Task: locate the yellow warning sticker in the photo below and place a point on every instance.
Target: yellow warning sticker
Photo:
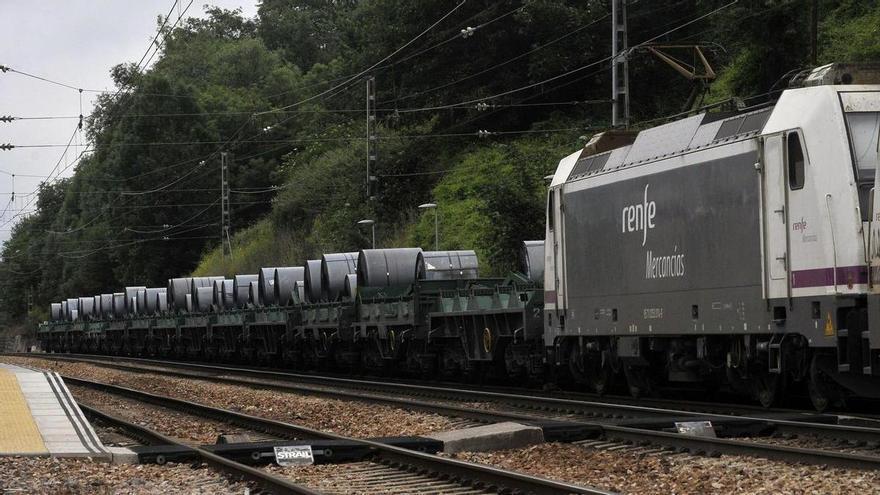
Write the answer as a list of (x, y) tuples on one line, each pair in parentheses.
[(829, 325)]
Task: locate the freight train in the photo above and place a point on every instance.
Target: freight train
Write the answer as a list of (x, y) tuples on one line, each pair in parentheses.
[(734, 248)]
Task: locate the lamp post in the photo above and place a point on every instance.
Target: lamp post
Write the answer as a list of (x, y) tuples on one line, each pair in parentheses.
[(433, 206), (372, 224)]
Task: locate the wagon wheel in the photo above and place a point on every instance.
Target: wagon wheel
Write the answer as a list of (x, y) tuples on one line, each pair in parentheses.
[(823, 390)]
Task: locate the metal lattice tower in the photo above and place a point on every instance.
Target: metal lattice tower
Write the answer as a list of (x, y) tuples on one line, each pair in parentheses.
[(225, 241), (370, 186), (619, 65)]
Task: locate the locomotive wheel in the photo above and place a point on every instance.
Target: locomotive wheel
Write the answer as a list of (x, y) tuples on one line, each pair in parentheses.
[(766, 387), (823, 390), (589, 368), (638, 379)]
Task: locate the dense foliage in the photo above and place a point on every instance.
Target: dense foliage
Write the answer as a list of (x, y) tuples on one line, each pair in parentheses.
[(283, 95)]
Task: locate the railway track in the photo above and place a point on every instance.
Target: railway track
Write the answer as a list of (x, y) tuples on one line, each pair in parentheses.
[(634, 425), (393, 469)]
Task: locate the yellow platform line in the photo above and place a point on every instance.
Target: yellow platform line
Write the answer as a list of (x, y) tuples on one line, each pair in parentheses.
[(19, 433)]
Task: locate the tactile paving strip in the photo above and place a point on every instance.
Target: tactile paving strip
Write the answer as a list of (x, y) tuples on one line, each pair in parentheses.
[(18, 431)]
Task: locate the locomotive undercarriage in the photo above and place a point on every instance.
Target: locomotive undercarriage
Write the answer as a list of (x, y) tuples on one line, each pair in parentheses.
[(765, 367)]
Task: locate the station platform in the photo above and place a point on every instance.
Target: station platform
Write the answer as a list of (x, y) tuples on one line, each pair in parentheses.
[(39, 417)]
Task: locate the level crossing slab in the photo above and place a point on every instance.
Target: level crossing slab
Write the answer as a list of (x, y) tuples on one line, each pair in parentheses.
[(39, 417)]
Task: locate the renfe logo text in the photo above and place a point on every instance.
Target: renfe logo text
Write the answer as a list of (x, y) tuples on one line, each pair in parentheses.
[(639, 217)]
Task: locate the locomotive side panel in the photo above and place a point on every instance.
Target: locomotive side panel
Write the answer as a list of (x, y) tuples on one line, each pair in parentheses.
[(674, 249)]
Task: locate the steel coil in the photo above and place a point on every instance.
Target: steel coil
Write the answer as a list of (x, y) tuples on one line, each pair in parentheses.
[(334, 268), (299, 292), (106, 305), (131, 298), (531, 260), (140, 302), (285, 283), (177, 290), (451, 265), (188, 303), (96, 307), (65, 310), (118, 304), (204, 299), (254, 294), (241, 289), (162, 302), (55, 311), (86, 307), (72, 305), (312, 281), (351, 284), (267, 286), (390, 267), (223, 294), (151, 299)]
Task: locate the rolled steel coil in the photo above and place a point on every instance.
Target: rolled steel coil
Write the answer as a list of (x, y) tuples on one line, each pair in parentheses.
[(177, 290), (96, 307), (312, 281), (74, 315), (299, 292), (390, 267), (254, 294), (151, 299), (140, 302), (223, 294), (267, 286), (241, 289), (55, 311), (204, 299), (106, 306), (351, 285), (285, 283), (65, 310), (451, 265), (118, 304), (188, 304), (531, 259), (162, 302), (334, 268), (131, 299), (72, 305), (197, 282)]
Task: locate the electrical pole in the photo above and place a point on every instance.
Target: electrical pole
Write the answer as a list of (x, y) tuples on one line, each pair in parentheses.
[(371, 138), (225, 242), (619, 65)]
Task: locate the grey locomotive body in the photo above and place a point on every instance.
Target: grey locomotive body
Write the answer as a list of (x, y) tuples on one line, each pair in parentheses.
[(721, 249)]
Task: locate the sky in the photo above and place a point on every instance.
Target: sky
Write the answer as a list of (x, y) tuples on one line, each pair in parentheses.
[(75, 42)]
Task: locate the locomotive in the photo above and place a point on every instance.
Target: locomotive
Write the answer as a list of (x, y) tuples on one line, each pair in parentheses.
[(737, 247)]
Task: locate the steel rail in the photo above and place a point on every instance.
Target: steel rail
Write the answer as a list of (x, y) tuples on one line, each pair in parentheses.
[(475, 474), (274, 484), (588, 409)]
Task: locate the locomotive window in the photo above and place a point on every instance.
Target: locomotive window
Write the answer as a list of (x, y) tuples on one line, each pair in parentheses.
[(550, 209), (795, 161)]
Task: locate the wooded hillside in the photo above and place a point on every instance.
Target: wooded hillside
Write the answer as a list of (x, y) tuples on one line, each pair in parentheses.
[(284, 95)]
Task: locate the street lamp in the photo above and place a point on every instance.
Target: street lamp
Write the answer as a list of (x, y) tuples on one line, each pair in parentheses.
[(372, 224), (429, 206)]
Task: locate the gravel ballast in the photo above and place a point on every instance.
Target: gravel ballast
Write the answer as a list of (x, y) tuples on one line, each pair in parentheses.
[(632, 473), (180, 426), (83, 476), (349, 418)]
